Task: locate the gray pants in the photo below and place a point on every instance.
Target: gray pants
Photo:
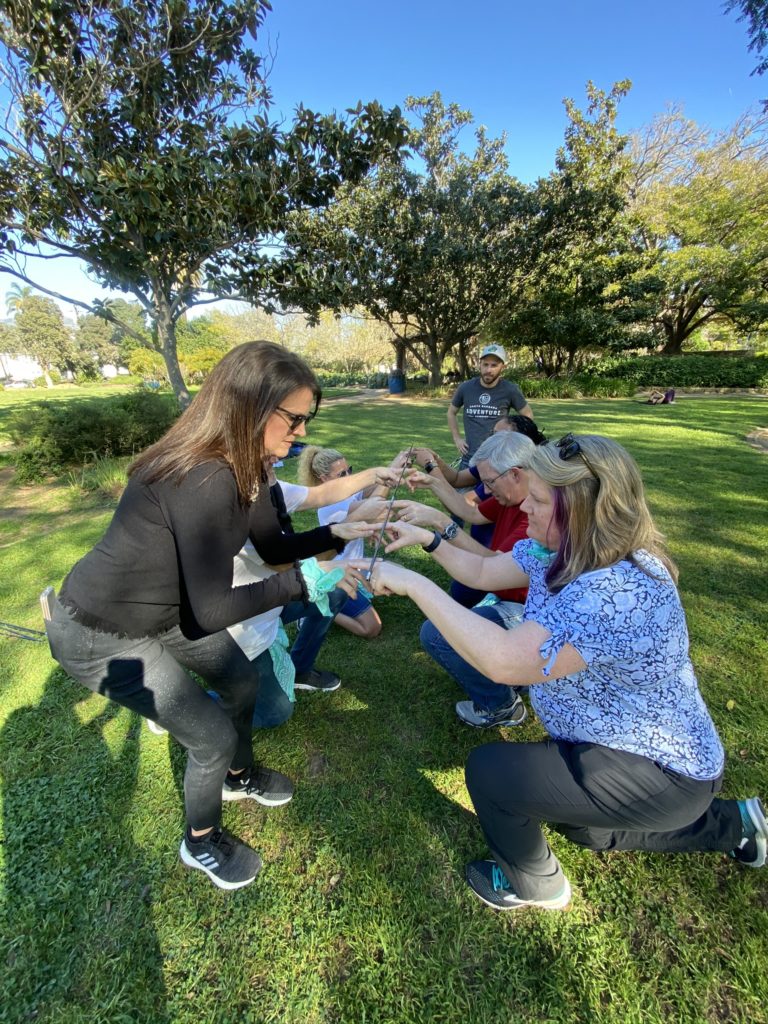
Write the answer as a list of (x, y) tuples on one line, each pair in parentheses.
[(150, 676), (599, 798)]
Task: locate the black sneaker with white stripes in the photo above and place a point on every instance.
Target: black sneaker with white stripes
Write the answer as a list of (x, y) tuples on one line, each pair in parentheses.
[(317, 680), (228, 862), (264, 785)]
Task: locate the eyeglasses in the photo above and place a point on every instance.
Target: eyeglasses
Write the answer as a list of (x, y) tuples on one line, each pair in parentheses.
[(569, 447), (489, 483), (295, 419), (345, 472)]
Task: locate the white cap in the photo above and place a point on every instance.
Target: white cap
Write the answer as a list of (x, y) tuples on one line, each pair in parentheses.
[(494, 350)]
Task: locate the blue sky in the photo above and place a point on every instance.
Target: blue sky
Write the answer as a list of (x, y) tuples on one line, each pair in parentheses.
[(510, 63)]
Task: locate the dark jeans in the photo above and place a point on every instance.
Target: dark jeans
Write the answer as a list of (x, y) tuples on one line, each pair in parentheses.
[(150, 676), (482, 690), (599, 798), (314, 628), (273, 706)]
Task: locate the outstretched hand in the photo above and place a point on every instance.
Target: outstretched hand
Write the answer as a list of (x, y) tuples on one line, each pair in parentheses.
[(388, 578), (404, 535)]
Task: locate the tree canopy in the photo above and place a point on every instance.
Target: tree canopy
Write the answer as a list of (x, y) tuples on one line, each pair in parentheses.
[(425, 247), (137, 138)]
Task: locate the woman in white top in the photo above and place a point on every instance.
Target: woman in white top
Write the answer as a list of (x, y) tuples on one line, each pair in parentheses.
[(318, 466)]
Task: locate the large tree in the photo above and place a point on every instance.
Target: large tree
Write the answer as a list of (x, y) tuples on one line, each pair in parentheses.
[(700, 210), (427, 248), (577, 292), (137, 138)]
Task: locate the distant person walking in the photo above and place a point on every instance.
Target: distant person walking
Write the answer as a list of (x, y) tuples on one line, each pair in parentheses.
[(484, 399)]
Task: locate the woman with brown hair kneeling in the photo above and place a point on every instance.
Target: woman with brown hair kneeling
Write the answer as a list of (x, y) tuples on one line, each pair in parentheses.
[(633, 760)]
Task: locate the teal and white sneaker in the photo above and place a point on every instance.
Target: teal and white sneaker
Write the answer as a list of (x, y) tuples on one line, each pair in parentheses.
[(489, 883), (752, 851)]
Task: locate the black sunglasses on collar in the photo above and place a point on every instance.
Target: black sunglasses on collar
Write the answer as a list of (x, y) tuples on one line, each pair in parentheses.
[(569, 447)]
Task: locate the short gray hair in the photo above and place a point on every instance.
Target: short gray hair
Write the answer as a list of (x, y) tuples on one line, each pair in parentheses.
[(504, 451)]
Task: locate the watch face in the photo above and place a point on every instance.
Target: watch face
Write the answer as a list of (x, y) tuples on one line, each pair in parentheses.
[(450, 531)]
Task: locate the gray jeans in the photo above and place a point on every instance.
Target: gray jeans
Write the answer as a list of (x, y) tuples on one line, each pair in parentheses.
[(150, 675)]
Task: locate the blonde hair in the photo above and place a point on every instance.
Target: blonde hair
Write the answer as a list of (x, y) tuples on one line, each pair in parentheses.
[(599, 508), (315, 463)]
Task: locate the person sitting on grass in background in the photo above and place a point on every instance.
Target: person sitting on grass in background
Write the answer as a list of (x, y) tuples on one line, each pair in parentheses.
[(150, 604), (657, 398), (501, 460), (318, 466), (633, 760)]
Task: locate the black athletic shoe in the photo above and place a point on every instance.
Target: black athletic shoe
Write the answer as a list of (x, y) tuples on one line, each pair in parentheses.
[(489, 883), (268, 787), (228, 862), (314, 680)]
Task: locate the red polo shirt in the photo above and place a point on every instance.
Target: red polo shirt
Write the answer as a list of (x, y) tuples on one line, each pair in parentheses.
[(511, 525)]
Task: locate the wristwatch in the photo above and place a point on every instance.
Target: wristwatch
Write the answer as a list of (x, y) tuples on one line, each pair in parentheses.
[(450, 531), (429, 465), (429, 548)]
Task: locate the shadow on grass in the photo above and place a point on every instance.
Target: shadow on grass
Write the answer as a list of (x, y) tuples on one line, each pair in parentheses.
[(79, 932)]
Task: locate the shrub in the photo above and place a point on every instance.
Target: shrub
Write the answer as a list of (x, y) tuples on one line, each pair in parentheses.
[(578, 386), (696, 371), (51, 435)]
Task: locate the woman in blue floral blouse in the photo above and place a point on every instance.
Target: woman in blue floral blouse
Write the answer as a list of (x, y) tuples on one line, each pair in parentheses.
[(633, 760)]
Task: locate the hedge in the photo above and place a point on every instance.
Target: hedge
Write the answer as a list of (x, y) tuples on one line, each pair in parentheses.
[(702, 371), (50, 436)]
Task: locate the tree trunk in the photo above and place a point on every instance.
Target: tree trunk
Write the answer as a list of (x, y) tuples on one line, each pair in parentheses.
[(464, 368), (435, 364), (400, 355), (166, 332)]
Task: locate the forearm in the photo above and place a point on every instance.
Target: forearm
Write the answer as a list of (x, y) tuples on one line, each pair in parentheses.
[(457, 503), (472, 637), (453, 424), (477, 570), (331, 491)]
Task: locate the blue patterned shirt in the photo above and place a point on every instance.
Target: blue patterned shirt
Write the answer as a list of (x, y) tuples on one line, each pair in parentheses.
[(638, 692)]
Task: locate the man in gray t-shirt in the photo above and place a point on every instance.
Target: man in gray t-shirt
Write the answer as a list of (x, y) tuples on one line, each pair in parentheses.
[(485, 400)]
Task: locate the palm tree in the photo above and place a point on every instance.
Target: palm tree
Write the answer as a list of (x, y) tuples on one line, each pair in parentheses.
[(15, 296)]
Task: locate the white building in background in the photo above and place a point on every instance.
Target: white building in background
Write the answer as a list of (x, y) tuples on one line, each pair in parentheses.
[(19, 367)]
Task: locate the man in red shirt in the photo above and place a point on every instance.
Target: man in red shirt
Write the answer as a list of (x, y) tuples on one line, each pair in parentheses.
[(500, 462)]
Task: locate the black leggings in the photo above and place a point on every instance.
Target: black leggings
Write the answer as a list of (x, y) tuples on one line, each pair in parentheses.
[(148, 676), (599, 798)]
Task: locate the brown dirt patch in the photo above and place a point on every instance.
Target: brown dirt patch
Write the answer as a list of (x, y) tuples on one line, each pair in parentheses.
[(758, 439)]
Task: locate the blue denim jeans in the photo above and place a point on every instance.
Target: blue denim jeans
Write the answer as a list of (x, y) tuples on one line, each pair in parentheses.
[(481, 689), (272, 704)]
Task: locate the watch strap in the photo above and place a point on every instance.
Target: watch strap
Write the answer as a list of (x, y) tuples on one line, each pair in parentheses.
[(429, 548)]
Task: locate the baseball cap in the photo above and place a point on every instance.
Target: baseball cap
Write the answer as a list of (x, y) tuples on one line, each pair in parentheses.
[(494, 350)]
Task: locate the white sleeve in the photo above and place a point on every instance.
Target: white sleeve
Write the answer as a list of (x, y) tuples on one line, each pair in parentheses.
[(294, 495)]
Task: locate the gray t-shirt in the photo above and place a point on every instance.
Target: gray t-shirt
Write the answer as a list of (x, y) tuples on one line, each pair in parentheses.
[(483, 406)]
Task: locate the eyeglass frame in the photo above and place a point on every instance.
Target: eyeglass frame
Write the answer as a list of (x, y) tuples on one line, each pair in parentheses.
[(296, 419), (488, 484), (345, 472), (568, 446)]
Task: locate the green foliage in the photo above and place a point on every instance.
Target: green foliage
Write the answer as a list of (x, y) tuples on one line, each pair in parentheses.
[(49, 436), (137, 137), (710, 371), (428, 252), (577, 386), (700, 211)]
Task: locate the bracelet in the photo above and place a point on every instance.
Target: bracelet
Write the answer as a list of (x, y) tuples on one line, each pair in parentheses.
[(429, 466), (429, 548)]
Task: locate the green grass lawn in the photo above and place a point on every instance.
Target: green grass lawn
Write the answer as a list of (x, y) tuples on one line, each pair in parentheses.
[(361, 914)]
